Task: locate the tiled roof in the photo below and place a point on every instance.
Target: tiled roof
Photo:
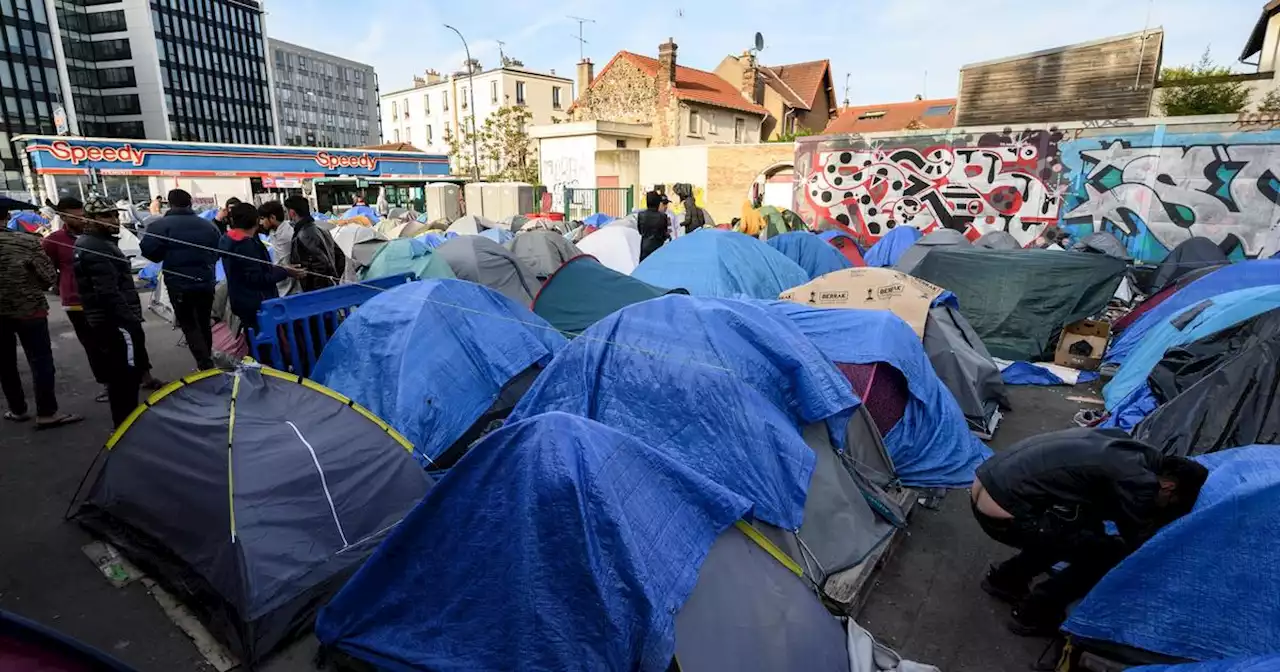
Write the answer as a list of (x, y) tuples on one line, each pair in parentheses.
[(696, 85), (893, 116), (804, 80), (393, 147)]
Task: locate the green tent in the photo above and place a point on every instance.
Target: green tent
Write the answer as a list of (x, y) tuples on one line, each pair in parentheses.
[(583, 291), (407, 255), (780, 220), (1017, 300)]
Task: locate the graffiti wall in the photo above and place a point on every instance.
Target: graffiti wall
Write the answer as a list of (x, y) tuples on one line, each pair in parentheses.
[(1152, 187)]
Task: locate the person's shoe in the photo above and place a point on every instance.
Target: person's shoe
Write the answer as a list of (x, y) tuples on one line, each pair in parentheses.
[(1032, 620), (1004, 591)]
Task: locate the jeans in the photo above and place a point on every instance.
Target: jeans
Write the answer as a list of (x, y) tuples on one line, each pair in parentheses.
[(193, 309), (120, 362), (34, 336), (84, 334)]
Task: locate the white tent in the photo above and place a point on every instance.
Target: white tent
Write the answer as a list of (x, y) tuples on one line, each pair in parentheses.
[(472, 225), (617, 247)]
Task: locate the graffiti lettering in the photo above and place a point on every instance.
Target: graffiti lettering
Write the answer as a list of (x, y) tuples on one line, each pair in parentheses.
[(1107, 123), (560, 174)]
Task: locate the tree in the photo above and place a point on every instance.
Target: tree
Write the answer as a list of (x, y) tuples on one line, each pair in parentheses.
[(506, 152), (1202, 88), (798, 132), (1270, 104)]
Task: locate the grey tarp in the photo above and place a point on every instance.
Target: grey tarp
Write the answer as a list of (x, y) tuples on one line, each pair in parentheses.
[(543, 251), (484, 262), (963, 364), (1018, 300), (1102, 242), (252, 536), (471, 225), (938, 240), (998, 240), (1189, 255)]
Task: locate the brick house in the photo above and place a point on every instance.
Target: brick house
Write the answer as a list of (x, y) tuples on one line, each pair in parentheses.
[(799, 96), (682, 105)]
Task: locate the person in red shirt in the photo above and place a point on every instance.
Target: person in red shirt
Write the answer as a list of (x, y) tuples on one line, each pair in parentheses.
[(60, 246)]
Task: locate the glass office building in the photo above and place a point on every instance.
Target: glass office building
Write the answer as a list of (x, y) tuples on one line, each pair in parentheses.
[(324, 100), (30, 88)]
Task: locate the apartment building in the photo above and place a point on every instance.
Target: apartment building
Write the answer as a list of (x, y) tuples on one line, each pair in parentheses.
[(324, 100)]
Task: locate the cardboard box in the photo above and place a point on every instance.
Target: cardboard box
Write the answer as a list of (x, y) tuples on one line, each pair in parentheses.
[(870, 289), (1096, 333)]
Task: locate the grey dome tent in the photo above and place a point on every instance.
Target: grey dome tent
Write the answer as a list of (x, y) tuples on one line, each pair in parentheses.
[(940, 239), (1102, 242), (543, 251), (471, 225), (998, 240), (1191, 254), (484, 262), (252, 495)]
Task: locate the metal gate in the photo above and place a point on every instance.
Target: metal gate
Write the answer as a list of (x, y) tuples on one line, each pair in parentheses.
[(613, 201)]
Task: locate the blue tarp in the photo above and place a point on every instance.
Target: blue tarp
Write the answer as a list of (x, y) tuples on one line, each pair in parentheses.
[(932, 445), (1204, 588), (730, 265), (1230, 278), (362, 211), (499, 236), (556, 543), (598, 219), (828, 236), (1215, 315), (25, 220), (1028, 373), (886, 251), (721, 386), (1250, 664), (433, 239), (430, 357), (816, 256), (1131, 410), (209, 215)]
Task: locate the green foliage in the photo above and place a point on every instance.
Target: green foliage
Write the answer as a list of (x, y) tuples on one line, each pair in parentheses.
[(791, 136), (1182, 96), (1270, 103), (506, 152)]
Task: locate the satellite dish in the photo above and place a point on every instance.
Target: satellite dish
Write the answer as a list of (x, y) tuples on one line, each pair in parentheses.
[(759, 41)]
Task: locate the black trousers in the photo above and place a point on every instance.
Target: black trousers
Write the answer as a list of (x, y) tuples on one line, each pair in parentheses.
[(193, 309), (117, 347), (1045, 540), (34, 336), (84, 334)]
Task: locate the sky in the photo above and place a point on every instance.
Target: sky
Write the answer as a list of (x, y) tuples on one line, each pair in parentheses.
[(890, 50)]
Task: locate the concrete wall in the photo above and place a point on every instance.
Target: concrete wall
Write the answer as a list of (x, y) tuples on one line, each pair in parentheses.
[(1152, 182), (567, 162)]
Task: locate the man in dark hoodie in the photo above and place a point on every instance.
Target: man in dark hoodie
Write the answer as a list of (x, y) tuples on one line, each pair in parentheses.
[(187, 244), (313, 250), (251, 277), (653, 224)]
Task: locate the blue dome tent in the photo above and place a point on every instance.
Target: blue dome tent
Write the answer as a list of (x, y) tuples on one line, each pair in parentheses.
[(816, 256), (724, 264), (887, 250)]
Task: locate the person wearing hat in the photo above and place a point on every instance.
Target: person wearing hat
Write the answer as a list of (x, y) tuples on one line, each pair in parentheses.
[(111, 304), (25, 274), (653, 225)]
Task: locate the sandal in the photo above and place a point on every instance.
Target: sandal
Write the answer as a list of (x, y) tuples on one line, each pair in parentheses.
[(61, 420), (14, 417)]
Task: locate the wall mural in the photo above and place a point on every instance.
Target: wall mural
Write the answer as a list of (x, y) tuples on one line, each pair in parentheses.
[(1150, 188)]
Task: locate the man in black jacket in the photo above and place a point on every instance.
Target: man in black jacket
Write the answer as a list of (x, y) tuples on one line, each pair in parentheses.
[(653, 224), (1051, 496), (313, 249), (111, 305), (187, 244), (251, 277)]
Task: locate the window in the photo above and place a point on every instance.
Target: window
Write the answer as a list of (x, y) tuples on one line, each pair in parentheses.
[(873, 114), (406, 108), (695, 123), (709, 123), (395, 133), (444, 101), (739, 130), (112, 50), (116, 77), (426, 103), (107, 22), (428, 138), (519, 93), (462, 99), (394, 110), (122, 104), (621, 144), (938, 110), (555, 97), (493, 91), (408, 135)]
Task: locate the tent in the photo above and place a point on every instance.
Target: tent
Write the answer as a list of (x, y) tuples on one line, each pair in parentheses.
[(780, 220), (28, 222), (499, 236), (847, 244), (889, 249), (1203, 587), (543, 251), (940, 239), (484, 262), (998, 240), (27, 646), (348, 236), (810, 252), (406, 255), (251, 495), (362, 211), (1156, 299), (1224, 279), (630, 221), (733, 390), (1102, 242), (441, 225), (1244, 664), (583, 291), (1220, 392), (472, 225), (513, 223), (630, 558), (439, 360), (958, 355), (709, 262), (617, 247), (931, 445), (1195, 252), (1017, 300), (362, 238), (598, 220)]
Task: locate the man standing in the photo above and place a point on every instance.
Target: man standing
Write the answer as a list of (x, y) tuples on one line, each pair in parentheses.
[(313, 250), (1051, 496), (280, 237), (111, 305), (251, 278), (60, 246), (187, 245), (223, 219), (653, 224)]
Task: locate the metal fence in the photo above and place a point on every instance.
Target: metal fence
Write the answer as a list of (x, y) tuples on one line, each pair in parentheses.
[(615, 201)]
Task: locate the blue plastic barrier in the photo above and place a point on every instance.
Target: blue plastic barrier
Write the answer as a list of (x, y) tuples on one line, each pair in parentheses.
[(306, 321)]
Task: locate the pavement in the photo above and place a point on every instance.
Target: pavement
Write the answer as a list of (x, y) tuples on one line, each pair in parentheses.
[(926, 602)]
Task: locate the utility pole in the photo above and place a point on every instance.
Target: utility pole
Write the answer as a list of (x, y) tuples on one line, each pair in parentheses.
[(846, 89), (582, 43), (471, 89)]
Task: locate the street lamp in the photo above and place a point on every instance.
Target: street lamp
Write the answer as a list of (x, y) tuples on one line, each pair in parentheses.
[(471, 86)]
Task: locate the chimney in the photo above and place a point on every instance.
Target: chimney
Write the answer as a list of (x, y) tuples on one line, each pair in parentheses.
[(750, 77), (667, 62), (433, 77), (586, 73), (419, 82)]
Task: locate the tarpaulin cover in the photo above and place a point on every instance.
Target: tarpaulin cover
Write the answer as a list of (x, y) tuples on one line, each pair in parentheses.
[(939, 239), (1203, 319), (887, 250), (1220, 392), (931, 446), (846, 244), (26, 221), (556, 543), (430, 357), (812, 253), (1226, 279), (726, 264), (722, 386), (433, 239), (1190, 254), (584, 291), (362, 211), (1017, 299), (1249, 664), (406, 255), (1204, 587), (1102, 242), (1027, 373), (598, 219)]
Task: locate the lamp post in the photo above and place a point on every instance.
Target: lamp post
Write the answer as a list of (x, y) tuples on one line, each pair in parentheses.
[(471, 86)]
